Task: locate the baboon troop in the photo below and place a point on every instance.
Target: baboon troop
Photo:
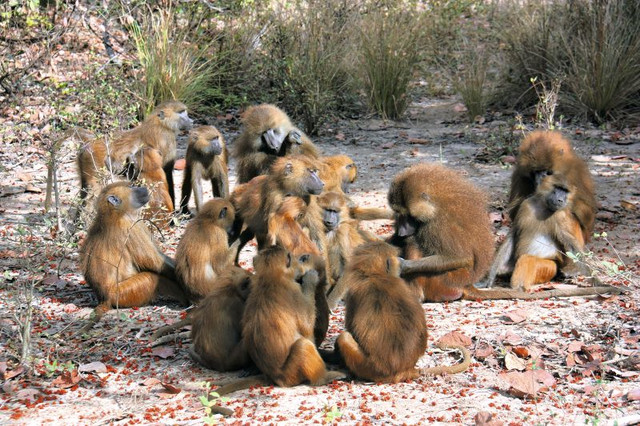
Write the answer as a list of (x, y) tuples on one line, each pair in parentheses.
[(311, 250)]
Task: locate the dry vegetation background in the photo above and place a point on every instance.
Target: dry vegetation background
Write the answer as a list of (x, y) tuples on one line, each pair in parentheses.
[(388, 83)]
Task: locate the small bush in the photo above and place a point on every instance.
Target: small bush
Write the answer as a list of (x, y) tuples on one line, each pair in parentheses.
[(391, 42), (591, 46), (304, 53), (470, 80), (175, 60)]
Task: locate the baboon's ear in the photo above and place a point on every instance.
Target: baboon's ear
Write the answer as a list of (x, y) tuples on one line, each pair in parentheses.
[(161, 115), (288, 169), (113, 200), (223, 213)]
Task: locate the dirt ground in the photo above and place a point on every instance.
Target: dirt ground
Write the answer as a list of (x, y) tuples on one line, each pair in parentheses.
[(558, 361), (588, 347)]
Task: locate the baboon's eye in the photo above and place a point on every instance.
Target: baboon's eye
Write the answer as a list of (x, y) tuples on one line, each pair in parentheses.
[(113, 200), (304, 258)]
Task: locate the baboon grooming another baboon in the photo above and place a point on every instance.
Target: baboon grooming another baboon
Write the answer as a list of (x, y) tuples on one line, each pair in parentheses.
[(206, 158), (386, 331), (158, 130), (268, 134)]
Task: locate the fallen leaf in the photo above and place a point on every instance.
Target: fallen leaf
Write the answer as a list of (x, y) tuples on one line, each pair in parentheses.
[(33, 189), (67, 379), (459, 107), (171, 389), (510, 338), (575, 346), (388, 145), (25, 177), (483, 350), (340, 136), (508, 159), (484, 418), (512, 362), (634, 395), (517, 316), (163, 352), (151, 381), (3, 367), (29, 394), (180, 164), (628, 205), (528, 383), (521, 351), (93, 367), (13, 373), (454, 338)]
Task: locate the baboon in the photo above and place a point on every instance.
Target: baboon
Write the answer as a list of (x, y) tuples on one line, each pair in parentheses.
[(147, 167), (268, 134), (278, 321), (338, 172), (216, 329), (119, 258), (206, 158), (442, 216), (386, 331), (204, 252), (157, 131), (258, 201), (544, 153), (343, 236)]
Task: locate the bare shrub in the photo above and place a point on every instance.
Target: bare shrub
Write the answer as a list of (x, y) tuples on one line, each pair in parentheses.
[(471, 80)]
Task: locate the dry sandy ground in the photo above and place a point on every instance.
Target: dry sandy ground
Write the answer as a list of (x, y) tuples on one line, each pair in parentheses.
[(589, 346)]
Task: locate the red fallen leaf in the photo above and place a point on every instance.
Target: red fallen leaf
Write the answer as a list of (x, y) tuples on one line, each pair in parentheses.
[(9, 386), (483, 350), (634, 395), (163, 352), (3, 367), (33, 189), (593, 352), (67, 379), (13, 373), (510, 338), (151, 381), (508, 159), (521, 351), (180, 164), (93, 367), (528, 383), (484, 418), (575, 346), (459, 107), (171, 389), (340, 136), (570, 360), (517, 315), (455, 338)]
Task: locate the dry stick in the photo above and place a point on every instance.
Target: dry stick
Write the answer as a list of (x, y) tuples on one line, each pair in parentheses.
[(171, 338)]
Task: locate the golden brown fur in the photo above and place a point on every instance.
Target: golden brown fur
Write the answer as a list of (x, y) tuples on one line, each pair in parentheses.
[(206, 158), (203, 252), (545, 153), (119, 258), (157, 131), (279, 318), (386, 331), (343, 236), (216, 323), (268, 134), (450, 218)]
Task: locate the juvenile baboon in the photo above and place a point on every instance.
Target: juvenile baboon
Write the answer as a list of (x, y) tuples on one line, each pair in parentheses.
[(158, 131), (268, 134), (146, 167), (279, 318), (258, 201), (343, 236), (443, 217), (119, 258), (203, 252), (386, 331), (206, 158), (216, 328)]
